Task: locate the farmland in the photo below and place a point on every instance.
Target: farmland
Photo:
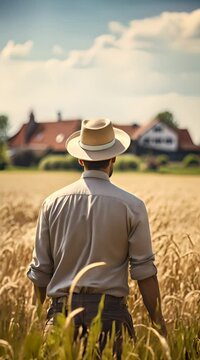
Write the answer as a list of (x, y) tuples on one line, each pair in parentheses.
[(174, 214)]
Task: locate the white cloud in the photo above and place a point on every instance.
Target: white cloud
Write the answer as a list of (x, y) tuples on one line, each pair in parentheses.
[(180, 31), (129, 75), (171, 41), (116, 27), (16, 50), (57, 50), (84, 58)]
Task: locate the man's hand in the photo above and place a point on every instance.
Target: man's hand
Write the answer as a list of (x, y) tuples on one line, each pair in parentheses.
[(149, 289)]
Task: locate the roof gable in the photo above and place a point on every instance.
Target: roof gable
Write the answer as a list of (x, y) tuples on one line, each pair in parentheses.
[(144, 128), (148, 126)]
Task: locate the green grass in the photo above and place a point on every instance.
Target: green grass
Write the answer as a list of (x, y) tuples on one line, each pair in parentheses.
[(12, 168), (178, 170), (173, 169)]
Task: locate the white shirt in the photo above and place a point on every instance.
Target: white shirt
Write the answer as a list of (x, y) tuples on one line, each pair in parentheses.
[(89, 221)]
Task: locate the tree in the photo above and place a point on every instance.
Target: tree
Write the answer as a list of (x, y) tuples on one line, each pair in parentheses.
[(3, 127), (3, 141), (167, 118)]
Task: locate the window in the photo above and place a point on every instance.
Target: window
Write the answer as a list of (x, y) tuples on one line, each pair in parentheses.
[(157, 140), (60, 138), (146, 140), (158, 128), (169, 140)]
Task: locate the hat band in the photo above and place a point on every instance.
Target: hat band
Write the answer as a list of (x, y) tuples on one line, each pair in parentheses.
[(97, 147)]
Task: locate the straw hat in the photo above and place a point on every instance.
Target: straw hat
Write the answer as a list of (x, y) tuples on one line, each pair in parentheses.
[(97, 140)]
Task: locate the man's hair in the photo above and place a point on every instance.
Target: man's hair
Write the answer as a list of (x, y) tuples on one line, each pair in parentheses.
[(96, 165)]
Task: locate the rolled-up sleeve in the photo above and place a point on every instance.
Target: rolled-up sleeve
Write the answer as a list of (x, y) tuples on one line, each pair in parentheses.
[(41, 267), (141, 256)]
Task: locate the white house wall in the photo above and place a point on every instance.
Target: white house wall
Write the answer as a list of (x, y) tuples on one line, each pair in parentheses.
[(159, 137)]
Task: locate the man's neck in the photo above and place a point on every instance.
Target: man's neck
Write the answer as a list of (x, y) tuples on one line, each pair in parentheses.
[(104, 170)]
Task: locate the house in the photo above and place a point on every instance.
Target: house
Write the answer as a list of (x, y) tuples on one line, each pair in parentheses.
[(49, 137), (156, 137), (43, 137)]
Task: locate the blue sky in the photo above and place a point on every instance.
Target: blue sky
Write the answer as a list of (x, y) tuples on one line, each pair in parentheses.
[(74, 23), (122, 59)]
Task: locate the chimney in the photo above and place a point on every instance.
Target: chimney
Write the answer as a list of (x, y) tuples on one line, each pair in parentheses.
[(59, 116), (135, 126), (31, 127)]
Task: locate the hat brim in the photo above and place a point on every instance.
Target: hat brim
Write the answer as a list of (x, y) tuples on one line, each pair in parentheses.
[(122, 142)]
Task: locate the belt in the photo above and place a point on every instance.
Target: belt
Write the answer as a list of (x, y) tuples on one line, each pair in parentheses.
[(90, 297), (86, 301)]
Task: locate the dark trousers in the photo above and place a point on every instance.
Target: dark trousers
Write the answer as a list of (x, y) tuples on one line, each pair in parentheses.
[(115, 310)]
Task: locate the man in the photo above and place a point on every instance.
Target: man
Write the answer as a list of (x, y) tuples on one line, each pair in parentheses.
[(89, 221)]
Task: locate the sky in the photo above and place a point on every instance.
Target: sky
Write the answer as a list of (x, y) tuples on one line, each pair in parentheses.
[(123, 59)]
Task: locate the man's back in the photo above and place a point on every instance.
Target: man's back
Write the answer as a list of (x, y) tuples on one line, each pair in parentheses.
[(88, 221)]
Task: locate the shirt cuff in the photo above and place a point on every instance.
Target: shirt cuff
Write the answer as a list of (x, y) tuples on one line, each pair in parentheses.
[(38, 277), (142, 269)]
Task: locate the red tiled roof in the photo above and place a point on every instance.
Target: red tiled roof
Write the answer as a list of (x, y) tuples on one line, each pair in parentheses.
[(129, 129), (185, 140), (48, 135), (45, 134), (19, 138)]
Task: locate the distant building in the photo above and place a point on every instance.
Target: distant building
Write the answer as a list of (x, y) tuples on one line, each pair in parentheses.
[(153, 138), (43, 137), (156, 138)]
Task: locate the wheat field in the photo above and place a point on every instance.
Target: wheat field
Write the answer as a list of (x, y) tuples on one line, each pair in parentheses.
[(173, 204)]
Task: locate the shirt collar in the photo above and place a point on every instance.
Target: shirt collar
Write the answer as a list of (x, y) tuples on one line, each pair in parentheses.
[(95, 174)]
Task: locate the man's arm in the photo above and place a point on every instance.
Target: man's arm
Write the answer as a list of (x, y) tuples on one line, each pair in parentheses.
[(149, 289), (143, 269), (41, 267)]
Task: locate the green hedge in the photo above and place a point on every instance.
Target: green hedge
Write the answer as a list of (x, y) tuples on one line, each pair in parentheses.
[(162, 160), (59, 162), (62, 162), (127, 162), (191, 160)]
